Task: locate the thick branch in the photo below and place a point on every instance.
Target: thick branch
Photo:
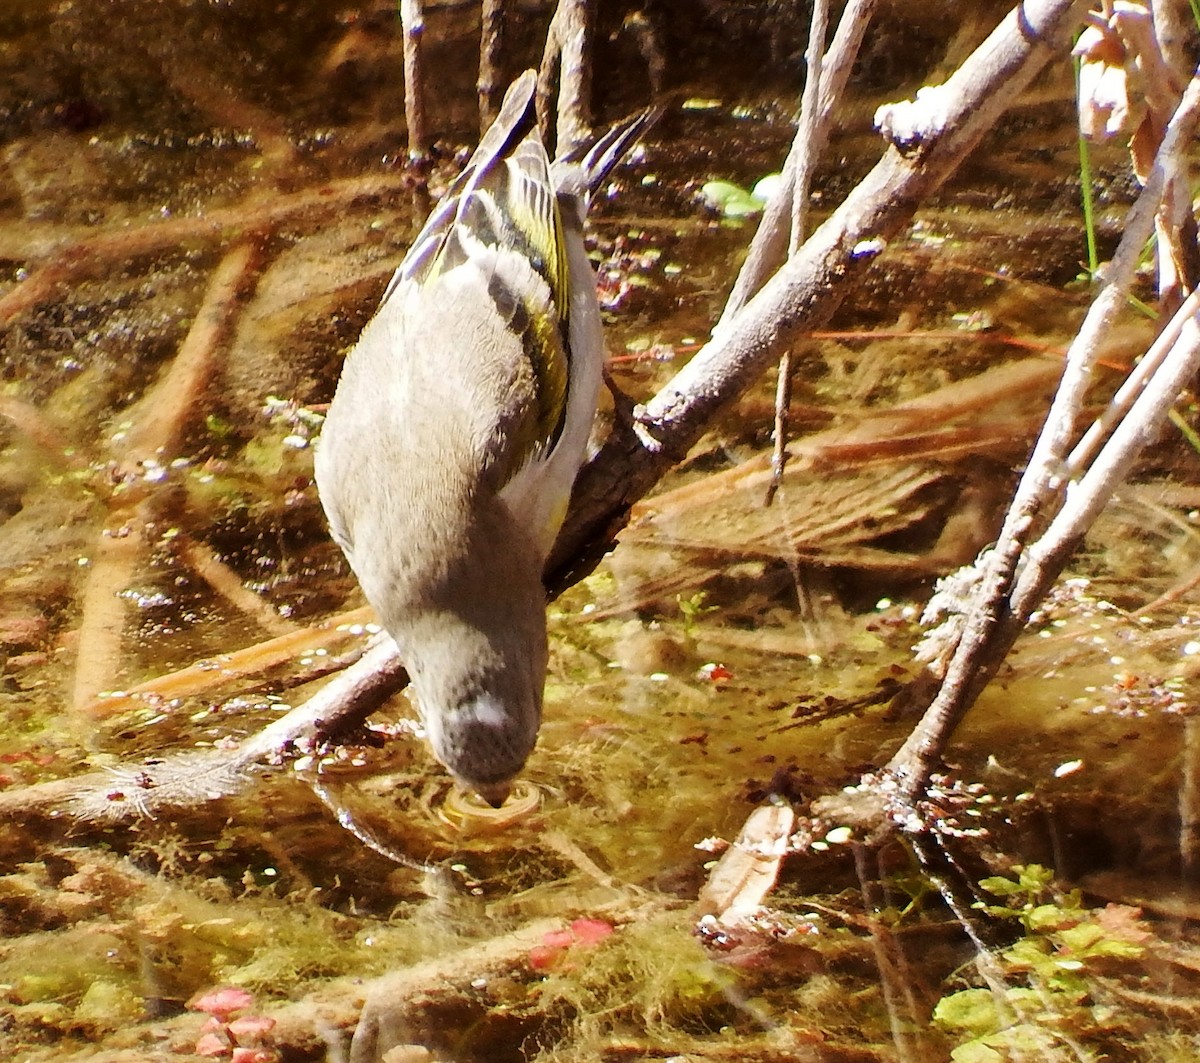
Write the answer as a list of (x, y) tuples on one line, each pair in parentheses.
[(939, 130)]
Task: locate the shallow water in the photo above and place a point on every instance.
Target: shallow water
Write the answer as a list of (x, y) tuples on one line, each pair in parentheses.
[(724, 654)]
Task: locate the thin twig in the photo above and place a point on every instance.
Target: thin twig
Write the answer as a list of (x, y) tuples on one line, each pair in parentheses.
[(491, 38), (814, 120), (1084, 503), (811, 136), (412, 18), (768, 249)]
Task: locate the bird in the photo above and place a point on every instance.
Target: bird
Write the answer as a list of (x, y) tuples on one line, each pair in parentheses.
[(461, 417)]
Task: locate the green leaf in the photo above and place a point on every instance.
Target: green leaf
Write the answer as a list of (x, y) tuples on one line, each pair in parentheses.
[(1029, 953), (973, 1010), (731, 200), (1001, 887), (976, 1052), (1048, 917), (1034, 878), (1081, 938)]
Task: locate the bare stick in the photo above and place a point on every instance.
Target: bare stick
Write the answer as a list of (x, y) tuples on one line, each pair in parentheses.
[(1085, 502), (783, 403), (551, 55), (574, 127), (569, 47), (808, 134), (491, 37), (813, 124), (412, 18), (769, 246), (1120, 404)]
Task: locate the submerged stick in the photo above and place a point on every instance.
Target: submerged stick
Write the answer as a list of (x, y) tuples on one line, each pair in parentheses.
[(111, 569), (162, 413), (203, 675), (158, 421), (143, 789), (85, 252)]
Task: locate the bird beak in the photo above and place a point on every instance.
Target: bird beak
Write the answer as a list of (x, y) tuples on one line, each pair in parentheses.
[(495, 794)]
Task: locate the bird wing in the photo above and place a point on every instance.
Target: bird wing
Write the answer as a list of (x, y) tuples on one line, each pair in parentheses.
[(499, 214)]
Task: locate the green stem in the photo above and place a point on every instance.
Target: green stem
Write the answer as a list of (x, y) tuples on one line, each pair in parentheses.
[(1085, 188)]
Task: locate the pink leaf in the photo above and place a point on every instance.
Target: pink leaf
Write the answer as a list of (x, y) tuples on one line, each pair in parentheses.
[(222, 1002), (591, 931), (252, 1026), (212, 1045), (558, 939), (543, 957)]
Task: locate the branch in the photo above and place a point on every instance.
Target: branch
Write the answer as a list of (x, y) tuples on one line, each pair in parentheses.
[(1005, 597), (931, 137), (770, 244)]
